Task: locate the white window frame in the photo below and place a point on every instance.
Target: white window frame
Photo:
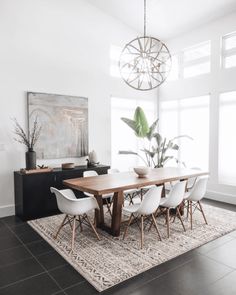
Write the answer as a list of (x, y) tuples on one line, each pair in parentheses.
[(227, 52), (196, 61)]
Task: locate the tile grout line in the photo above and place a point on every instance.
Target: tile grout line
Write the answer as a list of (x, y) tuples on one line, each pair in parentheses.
[(222, 263), (45, 270), (214, 248), (162, 274), (234, 270), (77, 284), (21, 280)]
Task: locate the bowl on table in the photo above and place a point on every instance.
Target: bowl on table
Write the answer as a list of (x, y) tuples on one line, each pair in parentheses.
[(141, 171)]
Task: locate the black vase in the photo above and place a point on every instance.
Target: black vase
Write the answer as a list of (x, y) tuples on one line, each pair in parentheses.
[(30, 159)]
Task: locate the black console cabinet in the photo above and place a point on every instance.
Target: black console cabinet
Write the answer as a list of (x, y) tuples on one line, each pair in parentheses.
[(33, 198)]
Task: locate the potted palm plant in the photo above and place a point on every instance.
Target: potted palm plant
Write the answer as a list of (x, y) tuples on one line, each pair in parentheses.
[(157, 150)]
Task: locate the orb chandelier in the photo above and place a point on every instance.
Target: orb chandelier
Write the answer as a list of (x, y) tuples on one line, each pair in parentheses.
[(145, 62)]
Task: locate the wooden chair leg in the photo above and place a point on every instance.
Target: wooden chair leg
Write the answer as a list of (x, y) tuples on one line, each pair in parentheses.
[(180, 218), (191, 214), (200, 205), (80, 224), (141, 231), (126, 229), (187, 209), (93, 228), (168, 222), (60, 227), (69, 221), (108, 207), (155, 224), (73, 234)]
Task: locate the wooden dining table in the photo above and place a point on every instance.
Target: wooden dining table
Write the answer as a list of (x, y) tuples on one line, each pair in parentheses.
[(117, 183)]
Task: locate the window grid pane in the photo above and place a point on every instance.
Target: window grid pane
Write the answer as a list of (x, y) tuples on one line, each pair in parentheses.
[(227, 139), (184, 116), (196, 60), (197, 52), (228, 50)]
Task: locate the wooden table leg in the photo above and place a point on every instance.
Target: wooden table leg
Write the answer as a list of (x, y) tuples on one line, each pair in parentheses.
[(99, 214), (118, 200)]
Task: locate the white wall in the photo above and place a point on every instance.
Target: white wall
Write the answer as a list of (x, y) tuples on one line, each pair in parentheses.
[(219, 80), (62, 47)]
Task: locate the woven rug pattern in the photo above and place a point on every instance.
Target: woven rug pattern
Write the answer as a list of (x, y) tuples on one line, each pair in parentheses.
[(113, 260)]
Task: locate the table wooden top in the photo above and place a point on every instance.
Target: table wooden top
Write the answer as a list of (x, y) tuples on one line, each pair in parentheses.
[(109, 183)]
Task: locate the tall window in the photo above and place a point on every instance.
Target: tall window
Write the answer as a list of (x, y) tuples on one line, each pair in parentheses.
[(189, 116), (122, 137), (196, 60), (229, 50), (227, 138)]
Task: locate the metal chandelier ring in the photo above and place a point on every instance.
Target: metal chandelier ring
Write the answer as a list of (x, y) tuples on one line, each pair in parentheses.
[(145, 63)]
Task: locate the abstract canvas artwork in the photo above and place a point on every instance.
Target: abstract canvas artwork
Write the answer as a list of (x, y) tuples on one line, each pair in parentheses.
[(64, 121)]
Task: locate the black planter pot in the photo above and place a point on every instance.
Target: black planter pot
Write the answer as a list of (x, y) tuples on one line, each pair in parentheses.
[(30, 159)]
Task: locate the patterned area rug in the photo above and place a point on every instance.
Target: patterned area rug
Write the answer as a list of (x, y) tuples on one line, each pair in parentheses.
[(112, 260)]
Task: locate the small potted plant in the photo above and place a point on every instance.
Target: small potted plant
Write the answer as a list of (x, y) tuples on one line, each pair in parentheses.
[(28, 140)]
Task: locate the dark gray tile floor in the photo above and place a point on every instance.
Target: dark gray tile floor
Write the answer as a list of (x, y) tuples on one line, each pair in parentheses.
[(29, 266)]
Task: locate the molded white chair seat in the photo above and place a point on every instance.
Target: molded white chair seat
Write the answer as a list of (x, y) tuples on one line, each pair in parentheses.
[(146, 208), (131, 208), (186, 195), (192, 180), (194, 197), (169, 185), (162, 201), (129, 192), (71, 206), (91, 173), (173, 200)]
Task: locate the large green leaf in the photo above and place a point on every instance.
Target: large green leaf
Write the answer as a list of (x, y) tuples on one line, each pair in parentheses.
[(130, 123), (140, 119), (152, 128), (158, 138)]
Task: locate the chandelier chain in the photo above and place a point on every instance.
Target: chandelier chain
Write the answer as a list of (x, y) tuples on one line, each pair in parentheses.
[(145, 17)]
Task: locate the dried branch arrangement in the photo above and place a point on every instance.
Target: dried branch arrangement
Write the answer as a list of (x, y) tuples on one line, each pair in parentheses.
[(28, 140)]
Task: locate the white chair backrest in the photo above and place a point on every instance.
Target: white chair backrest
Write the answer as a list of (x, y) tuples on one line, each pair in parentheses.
[(89, 173), (176, 195), (199, 189), (191, 181), (64, 201), (68, 203), (113, 171), (151, 201)]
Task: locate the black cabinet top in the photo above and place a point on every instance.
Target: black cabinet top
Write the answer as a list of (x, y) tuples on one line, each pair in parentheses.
[(77, 168)]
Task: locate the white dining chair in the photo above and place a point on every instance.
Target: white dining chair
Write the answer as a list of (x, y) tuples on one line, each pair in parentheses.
[(106, 197), (74, 210), (192, 180), (145, 209), (170, 185), (129, 194), (194, 196), (173, 201)]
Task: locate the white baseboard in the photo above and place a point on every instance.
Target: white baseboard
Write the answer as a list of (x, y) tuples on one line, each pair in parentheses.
[(7, 210), (226, 198)]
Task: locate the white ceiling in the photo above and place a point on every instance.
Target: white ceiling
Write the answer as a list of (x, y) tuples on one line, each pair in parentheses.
[(166, 18)]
